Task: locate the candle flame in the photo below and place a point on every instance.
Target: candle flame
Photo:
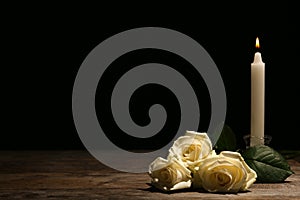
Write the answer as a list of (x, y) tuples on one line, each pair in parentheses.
[(257, 43)]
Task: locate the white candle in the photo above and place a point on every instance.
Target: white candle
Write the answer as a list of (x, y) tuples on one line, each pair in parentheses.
[(257, 99)]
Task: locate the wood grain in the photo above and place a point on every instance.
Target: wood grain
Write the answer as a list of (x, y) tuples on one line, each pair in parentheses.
[(77, 175)]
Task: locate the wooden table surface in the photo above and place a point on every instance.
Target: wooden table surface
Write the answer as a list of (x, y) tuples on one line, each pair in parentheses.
[(78, 175)]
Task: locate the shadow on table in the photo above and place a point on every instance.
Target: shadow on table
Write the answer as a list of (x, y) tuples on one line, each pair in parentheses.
[(153, 189)]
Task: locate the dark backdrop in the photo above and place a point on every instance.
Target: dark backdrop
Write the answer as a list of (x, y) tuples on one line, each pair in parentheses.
[(44, 46)]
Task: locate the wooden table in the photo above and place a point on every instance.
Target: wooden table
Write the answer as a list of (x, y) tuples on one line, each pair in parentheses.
[(78, 175)]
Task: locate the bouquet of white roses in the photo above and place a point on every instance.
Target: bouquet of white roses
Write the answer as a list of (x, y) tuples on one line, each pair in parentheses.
[(193, 163)]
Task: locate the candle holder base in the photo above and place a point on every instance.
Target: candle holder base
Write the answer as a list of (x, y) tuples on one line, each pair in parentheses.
[(264, 140)]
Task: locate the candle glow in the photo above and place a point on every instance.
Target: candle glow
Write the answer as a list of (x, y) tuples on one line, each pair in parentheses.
[(257, 43)]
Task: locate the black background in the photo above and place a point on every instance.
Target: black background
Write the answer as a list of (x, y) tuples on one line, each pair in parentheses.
[(44, 45)]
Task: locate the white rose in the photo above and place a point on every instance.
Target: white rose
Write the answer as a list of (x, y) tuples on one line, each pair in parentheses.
[(226, 172), (169, 175), (191, 147)]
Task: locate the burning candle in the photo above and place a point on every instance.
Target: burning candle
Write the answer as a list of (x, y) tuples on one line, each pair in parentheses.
[(257, 98)]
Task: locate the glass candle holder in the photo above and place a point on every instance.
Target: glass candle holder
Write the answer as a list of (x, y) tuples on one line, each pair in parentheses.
[(265, 140)]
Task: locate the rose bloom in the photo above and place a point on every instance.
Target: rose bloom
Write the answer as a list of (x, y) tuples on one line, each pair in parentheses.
[(169, 175), (191, 147), (226, 172)]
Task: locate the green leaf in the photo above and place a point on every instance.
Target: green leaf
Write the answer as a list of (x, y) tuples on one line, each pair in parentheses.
[(269, 165), (226, 141)]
